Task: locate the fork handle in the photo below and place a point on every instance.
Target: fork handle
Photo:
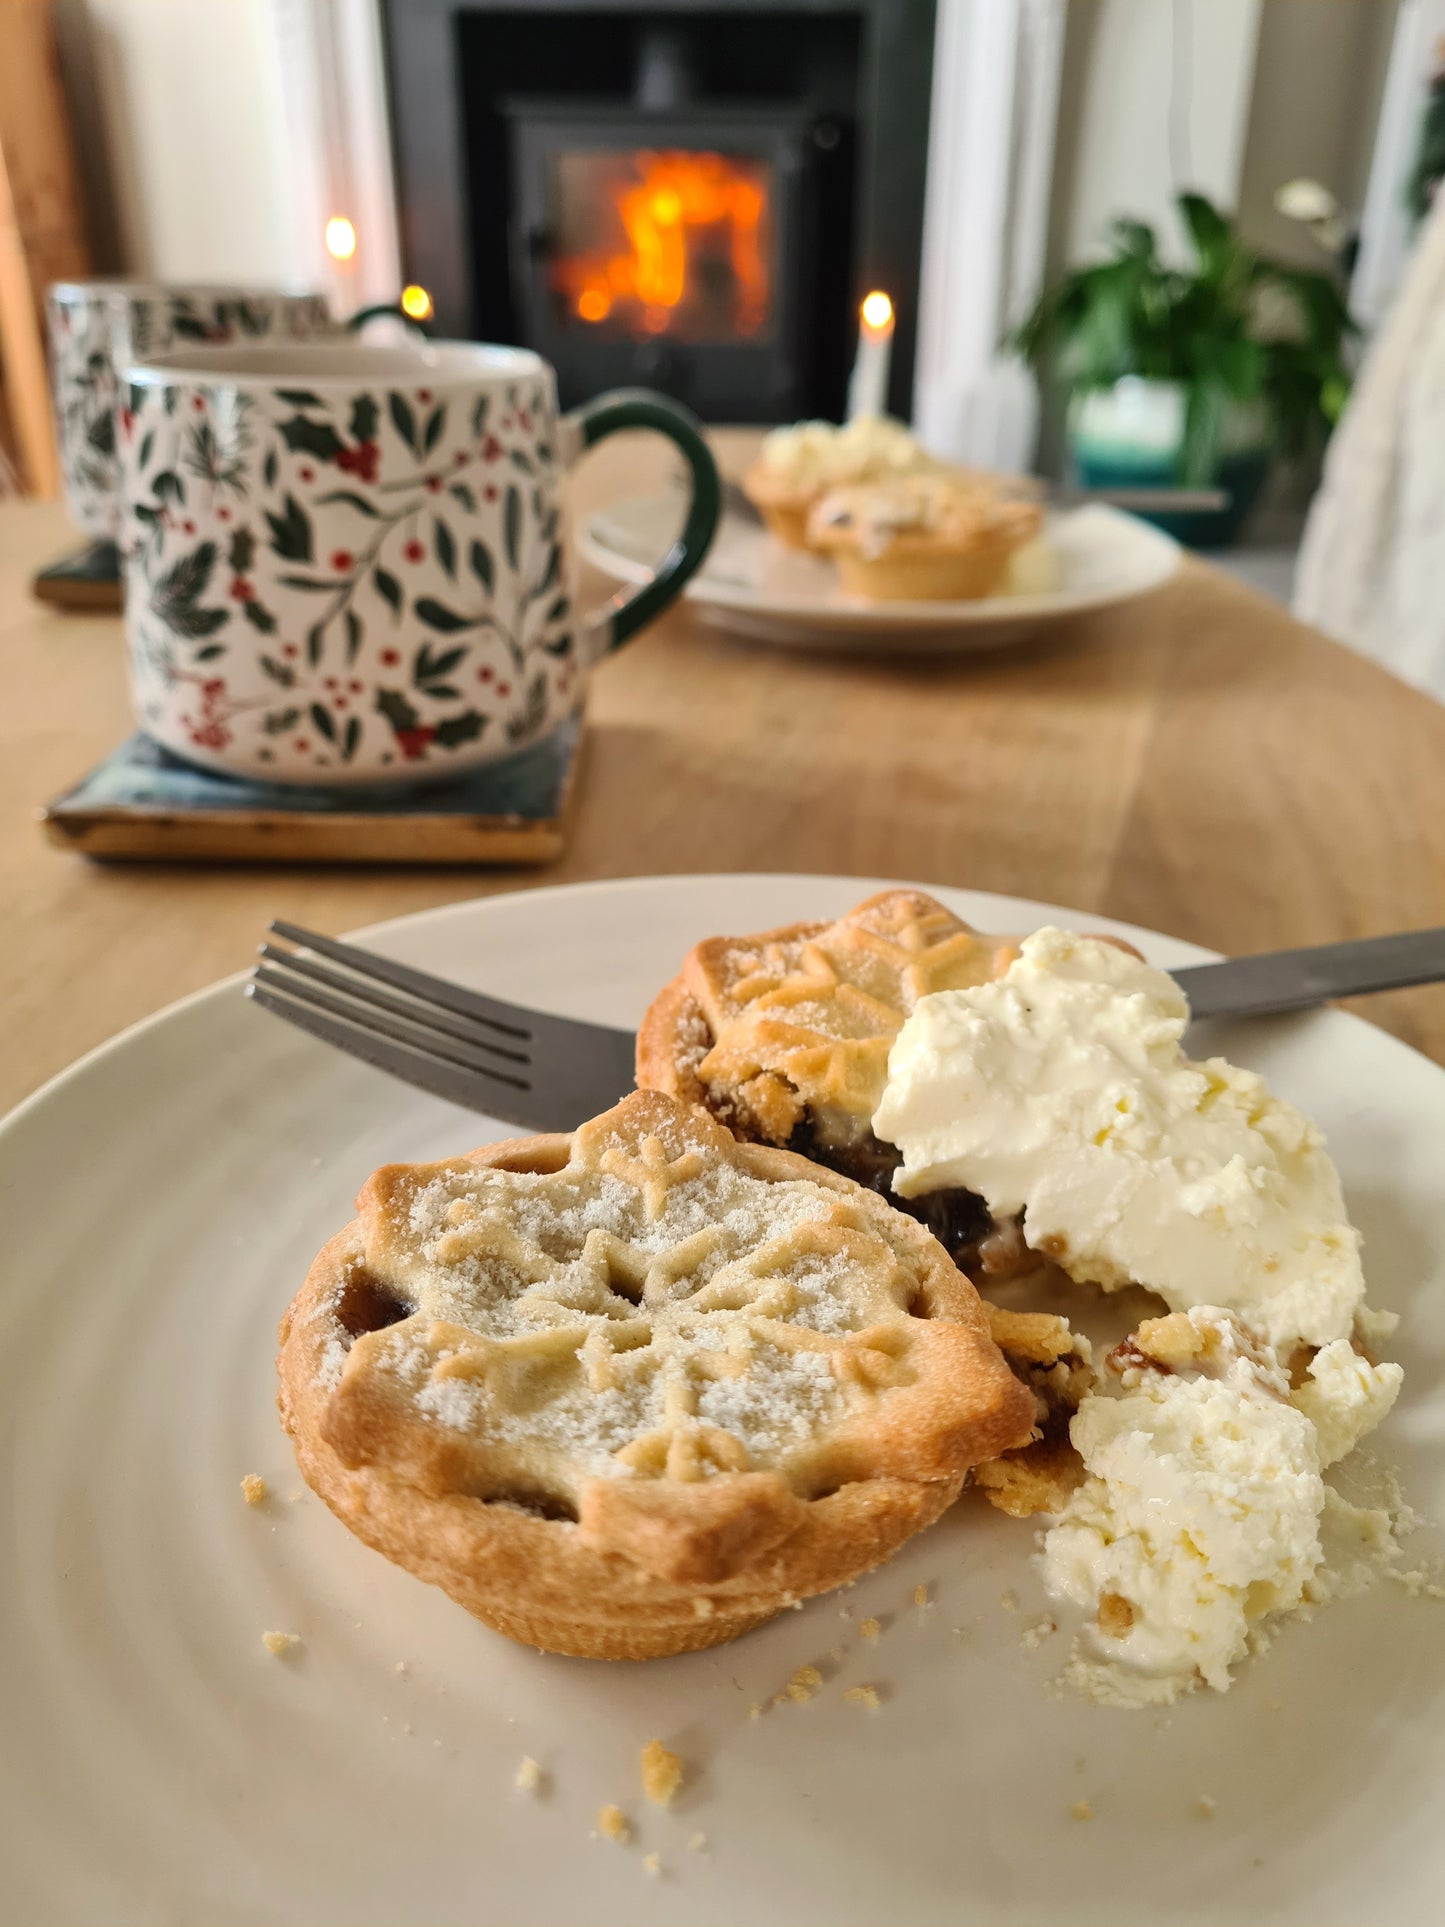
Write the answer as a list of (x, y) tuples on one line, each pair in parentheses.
[(1295, 979)]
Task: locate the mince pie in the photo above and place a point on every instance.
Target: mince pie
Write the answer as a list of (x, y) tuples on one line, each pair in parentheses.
[(630, 1391)]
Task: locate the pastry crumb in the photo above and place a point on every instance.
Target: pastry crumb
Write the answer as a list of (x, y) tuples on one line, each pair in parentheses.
[(613, 1824), (920, 1596), (1081, 1810), (653, 1864), (295, 1498), (870, 1627), (253, 1489), (279, 1644), (803, 1685), (702, 1608), (755, 1711), (1009, 1601), (697, 1842), (1038, 1630), (401, 1666), (528, 1775), (862, 1696), (661, 1773), (1204, 1806)]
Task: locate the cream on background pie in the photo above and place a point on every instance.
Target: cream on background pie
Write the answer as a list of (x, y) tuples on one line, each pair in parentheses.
[(629, 1391)]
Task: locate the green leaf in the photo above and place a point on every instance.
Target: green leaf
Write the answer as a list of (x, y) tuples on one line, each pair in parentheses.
[(559, 645), (279, 672), (305, 437), (148, 442), (242, 552), (396, 709), (482, 566), (387, 587), (436, 422), (307, 583), (446, 548), (442, 691), (315, 637), (430, 667), (189, 579), (193, 623), (268, 468), (299, 398), (168, 487), (278, 720), (352, 501), (363, 418), (291, 532), (454, 730), (512, 523), (321, 718), (558, 609), (259, 617), (353, 635), (520, 460), (461, 493), (351, 738), (436, 615), (210, 652), (401, 415), (479, 414)]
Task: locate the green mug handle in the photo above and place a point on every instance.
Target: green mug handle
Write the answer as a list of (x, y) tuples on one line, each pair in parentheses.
[(354, 323), (628, 612)]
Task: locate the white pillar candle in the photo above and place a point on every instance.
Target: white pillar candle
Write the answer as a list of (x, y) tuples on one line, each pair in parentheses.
[(868, 389)]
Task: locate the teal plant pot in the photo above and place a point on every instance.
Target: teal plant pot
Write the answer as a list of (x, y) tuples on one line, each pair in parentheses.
[(1129, 437)]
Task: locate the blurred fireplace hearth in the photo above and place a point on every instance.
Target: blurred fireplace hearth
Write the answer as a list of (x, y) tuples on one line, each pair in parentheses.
[(694, 198)]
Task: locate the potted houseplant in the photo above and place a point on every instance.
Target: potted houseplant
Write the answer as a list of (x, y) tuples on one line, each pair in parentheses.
[(1192, 377)]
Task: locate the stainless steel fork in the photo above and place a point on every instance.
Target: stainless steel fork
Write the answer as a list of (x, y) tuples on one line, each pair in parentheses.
[(549, 1073)]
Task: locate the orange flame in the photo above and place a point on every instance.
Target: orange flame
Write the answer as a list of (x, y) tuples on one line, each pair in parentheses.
[(671, 202)]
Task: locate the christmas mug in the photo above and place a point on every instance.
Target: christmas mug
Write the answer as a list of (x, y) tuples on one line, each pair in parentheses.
[(347, 564), (99, 327)]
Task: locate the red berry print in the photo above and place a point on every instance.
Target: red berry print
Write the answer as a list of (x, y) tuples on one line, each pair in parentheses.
[(460, 457), (489, 493), (355, 688), (307, 472), (338, 702), (413, 742), (242, 590), (361, 461), (423, 395), (484, 674), (504, 689), (341, 560), (414, 552), (524, 420), (491, 449), (290, 649), (330, 682), (390, 657), (223, 515), (198, 402), (188, 528), (301, 746), (434, 484)]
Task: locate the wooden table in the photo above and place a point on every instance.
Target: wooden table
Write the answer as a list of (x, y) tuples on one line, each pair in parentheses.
[(1196, 762)]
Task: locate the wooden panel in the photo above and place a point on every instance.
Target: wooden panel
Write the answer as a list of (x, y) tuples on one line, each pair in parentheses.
[(41, 226)]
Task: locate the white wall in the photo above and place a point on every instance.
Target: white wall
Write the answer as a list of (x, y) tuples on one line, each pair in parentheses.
[(1155, 97), (216, 136)]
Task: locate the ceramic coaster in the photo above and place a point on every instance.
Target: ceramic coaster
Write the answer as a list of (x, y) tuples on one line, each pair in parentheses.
[(88, 580), (144, 803)]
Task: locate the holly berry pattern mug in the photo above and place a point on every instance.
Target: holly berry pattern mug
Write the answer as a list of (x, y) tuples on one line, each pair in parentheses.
[(348, 564), (99, 327)]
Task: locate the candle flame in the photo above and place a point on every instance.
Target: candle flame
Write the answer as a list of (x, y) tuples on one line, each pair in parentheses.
[(340, 238), (877, 312)]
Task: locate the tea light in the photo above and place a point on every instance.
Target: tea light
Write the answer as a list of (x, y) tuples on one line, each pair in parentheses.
[(340, 238), (868, 389)]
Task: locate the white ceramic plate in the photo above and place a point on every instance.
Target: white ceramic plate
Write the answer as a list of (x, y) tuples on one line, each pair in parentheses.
[(754, 585), (161, 1202)]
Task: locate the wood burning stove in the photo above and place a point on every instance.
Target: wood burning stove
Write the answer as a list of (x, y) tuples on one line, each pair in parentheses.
[(676, 249), (692, 194)]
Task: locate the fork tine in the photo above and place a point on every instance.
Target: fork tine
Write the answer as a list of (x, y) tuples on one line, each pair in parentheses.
[(473, 1090), (510, 1018), (362, 990), (375, 1023)]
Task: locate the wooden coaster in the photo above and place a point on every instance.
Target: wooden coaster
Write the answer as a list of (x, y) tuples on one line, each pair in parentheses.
[(88, 580), (145, 804)]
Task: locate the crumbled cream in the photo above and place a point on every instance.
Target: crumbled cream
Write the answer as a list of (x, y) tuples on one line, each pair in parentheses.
[(1199, 1516), (1061, 1091), (1344, 1396), (813, 455)]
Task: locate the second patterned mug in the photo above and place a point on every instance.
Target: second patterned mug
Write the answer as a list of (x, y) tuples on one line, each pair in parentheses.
[(348, 564)]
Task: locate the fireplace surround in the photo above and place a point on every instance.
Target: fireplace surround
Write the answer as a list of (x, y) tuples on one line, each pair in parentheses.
[(691, 196)]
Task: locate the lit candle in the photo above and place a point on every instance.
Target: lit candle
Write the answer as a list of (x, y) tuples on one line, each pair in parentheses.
[(868, 390)]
